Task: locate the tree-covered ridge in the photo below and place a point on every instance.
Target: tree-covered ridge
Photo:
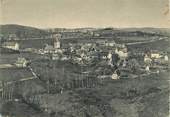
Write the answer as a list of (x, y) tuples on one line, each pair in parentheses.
[(21, 31)]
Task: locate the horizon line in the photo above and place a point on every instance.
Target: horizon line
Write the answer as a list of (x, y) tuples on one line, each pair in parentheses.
[(76, 27)]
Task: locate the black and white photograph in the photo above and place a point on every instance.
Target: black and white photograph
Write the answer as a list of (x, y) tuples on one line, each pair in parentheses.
[(84, 58)]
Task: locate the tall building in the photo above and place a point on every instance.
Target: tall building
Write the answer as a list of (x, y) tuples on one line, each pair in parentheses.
[(57, 43)]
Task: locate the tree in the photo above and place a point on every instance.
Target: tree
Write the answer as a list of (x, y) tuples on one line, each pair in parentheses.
[(115, 58), (133, 64)]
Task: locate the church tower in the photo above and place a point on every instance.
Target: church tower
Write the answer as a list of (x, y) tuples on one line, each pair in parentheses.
[(57, 44)]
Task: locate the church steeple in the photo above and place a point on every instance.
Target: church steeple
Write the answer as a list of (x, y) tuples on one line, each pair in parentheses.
[(57, 44)]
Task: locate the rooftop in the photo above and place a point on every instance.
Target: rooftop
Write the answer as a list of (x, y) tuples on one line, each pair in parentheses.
[(9, 43)]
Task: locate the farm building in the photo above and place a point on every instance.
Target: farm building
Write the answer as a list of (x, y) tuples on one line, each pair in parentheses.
[(11, 45)]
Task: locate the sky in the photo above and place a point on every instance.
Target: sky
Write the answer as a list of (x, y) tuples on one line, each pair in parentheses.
[(86, 13)]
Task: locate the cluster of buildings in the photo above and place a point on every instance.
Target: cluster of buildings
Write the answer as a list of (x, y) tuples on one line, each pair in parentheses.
[(87, 52), (155, 58)]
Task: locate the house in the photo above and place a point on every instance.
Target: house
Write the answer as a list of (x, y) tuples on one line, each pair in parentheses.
[(111, 43), (48, 49), (147, 69), (155, 55), (12, 37), (115, 76), (101, 42), (93, 55), (56, 56), (122, 54), (147, 59), (163, 60), (124, 63), (83, 55), (120, 45), (21, 62), (65, 57), (103, 77), (58, 51), (86, 47), (166, 58), (72, 49), (95, 34), (78, 60), (109, 56), (103, 55), (11, 45)]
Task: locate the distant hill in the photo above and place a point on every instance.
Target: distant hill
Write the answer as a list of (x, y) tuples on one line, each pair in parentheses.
[(21, 31), (161, 31), (129, 33)]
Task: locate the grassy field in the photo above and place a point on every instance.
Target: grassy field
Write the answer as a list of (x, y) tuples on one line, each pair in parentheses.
[(12, 58), (142, 97), (14, 74), (161, 45)]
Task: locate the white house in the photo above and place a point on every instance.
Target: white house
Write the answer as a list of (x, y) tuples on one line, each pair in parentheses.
[(112, 43), (48, 49), (58, 51), (11, 45), (96, 34), (102, 77), (109, 56), (166, 58), (115, 76), (21, 62), (155, 55), (122, 54), (147, 59), (56, 56), (124, 63), (12, 37), (147, 69), (83, 56)]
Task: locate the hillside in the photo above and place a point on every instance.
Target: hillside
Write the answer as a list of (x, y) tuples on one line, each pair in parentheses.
[(28, 32), (21, 31), (161, 31), (134, 31)]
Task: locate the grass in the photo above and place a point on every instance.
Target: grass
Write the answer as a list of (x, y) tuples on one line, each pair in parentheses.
[(14, 74), (141, 97)]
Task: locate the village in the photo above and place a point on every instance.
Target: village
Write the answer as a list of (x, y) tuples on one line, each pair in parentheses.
[(64, 65), (95, 51)]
